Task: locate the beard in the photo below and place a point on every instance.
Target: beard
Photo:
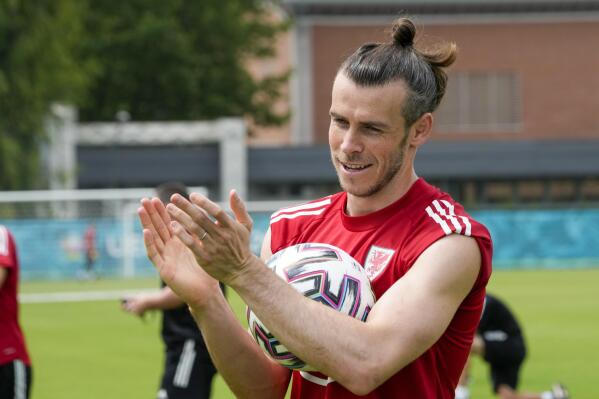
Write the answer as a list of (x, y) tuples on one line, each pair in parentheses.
[(395, 165)]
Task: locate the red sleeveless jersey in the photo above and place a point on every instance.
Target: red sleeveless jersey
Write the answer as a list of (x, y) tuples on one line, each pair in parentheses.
[(12, 343), (387, 243)]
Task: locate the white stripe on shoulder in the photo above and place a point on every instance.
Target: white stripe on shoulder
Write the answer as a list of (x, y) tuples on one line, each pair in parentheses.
[(438, 219), (464, 219), (312, 208), (448, 214), (443, 212), (316, 380), (297, 214), (310, 205), (3, 241)]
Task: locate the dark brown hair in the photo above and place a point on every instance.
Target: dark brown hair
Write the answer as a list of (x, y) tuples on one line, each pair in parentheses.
[(166, 190), (422, 70)]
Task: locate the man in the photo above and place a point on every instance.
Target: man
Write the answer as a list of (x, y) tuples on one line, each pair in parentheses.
[(188, 370), (499, 341), (428, 261), (15, 365)]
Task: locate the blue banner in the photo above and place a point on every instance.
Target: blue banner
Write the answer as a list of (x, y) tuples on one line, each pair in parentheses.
[(55, 249), (543, 238)]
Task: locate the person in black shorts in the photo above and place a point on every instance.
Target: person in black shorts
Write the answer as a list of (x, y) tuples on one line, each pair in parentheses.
[(499, 341), (188, 369)]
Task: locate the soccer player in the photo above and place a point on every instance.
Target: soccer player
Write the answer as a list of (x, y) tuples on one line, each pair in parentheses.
[(15, 365), (499, 341), (428, 260), (188, 370)]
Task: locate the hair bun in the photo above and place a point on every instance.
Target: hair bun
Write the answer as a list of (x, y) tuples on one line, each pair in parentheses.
[(403, 32)]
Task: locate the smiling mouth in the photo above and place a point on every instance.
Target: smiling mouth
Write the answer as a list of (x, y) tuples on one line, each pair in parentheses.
[(354, 167)]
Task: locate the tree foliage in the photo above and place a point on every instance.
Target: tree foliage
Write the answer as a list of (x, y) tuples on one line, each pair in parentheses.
[(38, 43), (156, 59), (181, 60)]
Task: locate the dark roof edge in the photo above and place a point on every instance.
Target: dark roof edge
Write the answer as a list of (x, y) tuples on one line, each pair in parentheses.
[(437, 8)]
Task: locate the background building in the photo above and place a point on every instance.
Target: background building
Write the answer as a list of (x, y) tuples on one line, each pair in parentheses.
[(517, 123)]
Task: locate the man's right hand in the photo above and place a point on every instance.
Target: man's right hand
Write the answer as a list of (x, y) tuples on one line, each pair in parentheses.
[(175, 263)]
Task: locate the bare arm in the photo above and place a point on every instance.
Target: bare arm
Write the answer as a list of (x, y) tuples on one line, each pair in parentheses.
[(246, 369), (407, 320), (160, 300), (243, 365), (235, 352)]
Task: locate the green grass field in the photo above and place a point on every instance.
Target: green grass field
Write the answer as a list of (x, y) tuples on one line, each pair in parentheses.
[(94, 350)]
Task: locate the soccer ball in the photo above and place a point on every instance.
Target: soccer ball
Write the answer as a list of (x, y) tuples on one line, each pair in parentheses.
[(321, 272)]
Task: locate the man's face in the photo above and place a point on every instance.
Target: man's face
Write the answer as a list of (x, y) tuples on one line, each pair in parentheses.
[(367, 135)]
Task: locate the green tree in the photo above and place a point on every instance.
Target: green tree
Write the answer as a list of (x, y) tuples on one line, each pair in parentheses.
[(181, 60), (156, 59), (38, 66)]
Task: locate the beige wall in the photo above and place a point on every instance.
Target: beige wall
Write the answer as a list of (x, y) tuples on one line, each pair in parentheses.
[(260, 68), (558, 65)]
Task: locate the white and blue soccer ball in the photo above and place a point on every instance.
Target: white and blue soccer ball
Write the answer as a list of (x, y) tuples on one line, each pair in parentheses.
[(323, 273)]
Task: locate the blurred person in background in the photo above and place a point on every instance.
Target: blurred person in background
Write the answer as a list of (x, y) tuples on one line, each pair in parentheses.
[(499, 341), (15, 365), (188, 370), (90, 251)]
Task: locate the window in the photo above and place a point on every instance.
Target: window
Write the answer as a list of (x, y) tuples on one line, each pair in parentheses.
[(481, 102)]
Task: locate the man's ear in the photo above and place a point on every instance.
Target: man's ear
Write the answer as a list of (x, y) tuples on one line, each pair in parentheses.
[(421, 130)]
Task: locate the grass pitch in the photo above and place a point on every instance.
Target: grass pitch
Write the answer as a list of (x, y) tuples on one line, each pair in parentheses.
[(94, 350)]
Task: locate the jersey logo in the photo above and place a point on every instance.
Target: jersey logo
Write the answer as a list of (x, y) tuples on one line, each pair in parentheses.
[(443, 213), (377, 260)]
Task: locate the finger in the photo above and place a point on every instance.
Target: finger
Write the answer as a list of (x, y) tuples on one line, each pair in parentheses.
[(196, 216), (161, 228), (186, 221), (153, 223), (190, 241), (212, 209), (151, 250), (144, 217), (147, 224), (161, 209), (240, 211)]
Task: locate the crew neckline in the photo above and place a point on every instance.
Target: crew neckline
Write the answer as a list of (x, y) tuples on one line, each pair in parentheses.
[(375, 219)]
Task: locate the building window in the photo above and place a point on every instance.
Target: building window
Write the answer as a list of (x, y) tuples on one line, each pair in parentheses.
[(481, 102)]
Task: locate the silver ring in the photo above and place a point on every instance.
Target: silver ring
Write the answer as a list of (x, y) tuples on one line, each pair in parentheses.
[(204, 235)]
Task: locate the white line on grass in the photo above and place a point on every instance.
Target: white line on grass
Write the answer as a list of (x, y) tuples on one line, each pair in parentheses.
[(80, 296)]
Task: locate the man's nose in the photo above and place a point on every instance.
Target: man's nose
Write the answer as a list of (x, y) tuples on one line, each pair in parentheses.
[(351, 142)]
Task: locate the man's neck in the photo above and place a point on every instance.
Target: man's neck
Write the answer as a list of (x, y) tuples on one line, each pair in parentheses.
[(360, 206)]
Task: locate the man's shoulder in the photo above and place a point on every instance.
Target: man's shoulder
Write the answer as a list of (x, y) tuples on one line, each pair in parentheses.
[(289, 223), (306, 211), (436, 211)]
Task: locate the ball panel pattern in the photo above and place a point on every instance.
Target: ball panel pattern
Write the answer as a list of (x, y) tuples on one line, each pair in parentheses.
[(323, 273)]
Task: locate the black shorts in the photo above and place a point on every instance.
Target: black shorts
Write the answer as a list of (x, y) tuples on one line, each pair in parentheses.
[(188, 372), (505, 358), (15, 380)]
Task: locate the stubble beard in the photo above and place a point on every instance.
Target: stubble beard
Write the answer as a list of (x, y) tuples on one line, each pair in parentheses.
[(377, 186)]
